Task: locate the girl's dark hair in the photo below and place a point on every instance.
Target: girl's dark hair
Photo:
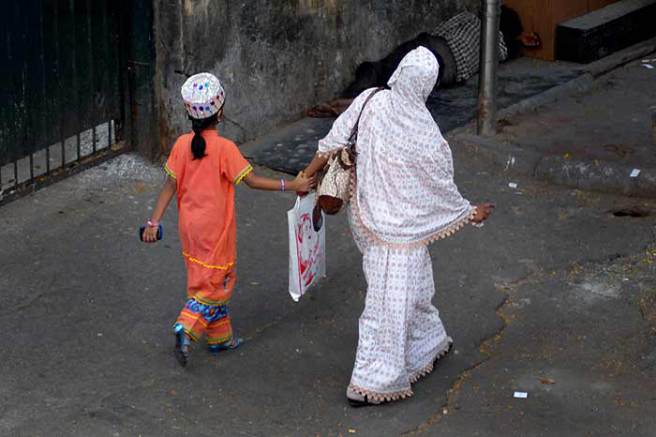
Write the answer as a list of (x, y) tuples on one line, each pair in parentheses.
[(198, 142)]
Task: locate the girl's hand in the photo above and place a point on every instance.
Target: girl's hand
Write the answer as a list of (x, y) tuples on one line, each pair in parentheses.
[(150, 234), (483, 211), (303, 184)]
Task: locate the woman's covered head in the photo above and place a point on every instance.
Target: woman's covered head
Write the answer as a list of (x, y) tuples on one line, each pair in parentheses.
[(416, 75)]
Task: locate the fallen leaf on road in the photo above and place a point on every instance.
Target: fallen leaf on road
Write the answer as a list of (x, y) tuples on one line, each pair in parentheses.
[(139, 186), (547, 381)]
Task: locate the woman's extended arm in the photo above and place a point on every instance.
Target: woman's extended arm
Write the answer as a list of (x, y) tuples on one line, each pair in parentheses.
[(318, 162), (339, 134)]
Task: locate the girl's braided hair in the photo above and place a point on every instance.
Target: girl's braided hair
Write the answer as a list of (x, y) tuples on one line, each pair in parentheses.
[(198, 142)]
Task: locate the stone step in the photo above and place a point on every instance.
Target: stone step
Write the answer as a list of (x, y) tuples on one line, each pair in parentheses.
[(595, 35)]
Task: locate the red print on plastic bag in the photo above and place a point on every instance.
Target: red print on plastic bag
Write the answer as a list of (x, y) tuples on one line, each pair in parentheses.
[(308, 247), (307, 253)]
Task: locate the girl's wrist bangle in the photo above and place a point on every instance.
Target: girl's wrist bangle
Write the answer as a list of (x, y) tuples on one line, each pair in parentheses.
[(152, 224), (282, 185)]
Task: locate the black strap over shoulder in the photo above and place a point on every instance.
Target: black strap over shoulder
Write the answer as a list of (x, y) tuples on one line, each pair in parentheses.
[(354, 133)]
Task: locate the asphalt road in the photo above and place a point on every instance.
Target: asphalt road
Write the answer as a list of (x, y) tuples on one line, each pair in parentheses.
[(86, 312)]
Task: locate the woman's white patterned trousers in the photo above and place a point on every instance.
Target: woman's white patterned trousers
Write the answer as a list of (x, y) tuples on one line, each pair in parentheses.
[(401, 333)]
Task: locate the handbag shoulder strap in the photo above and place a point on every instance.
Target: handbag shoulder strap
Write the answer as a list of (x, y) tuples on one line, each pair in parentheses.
[(354, 132)]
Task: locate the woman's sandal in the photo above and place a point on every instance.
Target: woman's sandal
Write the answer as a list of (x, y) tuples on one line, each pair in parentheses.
[(443, 355), (227, 346), (356, 400), (182, 347)]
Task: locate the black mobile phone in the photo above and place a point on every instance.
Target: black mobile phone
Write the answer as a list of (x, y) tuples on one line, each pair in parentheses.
[(160, 232)]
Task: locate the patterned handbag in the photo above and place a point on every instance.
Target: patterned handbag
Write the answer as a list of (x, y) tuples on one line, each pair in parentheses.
[(334, 188)]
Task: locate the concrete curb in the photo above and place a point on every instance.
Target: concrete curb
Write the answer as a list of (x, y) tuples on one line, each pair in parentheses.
[(601, 176), (514, 160), (587, 175), (623, 57), (578, 85)]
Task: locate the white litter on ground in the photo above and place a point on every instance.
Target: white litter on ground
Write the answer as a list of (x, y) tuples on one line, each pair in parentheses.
[(520, 395), (126, 166), (513, 185), (510, 163), (635, 173), (649, 66)]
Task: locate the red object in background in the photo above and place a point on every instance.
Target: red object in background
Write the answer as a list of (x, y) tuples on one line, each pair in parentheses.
[(543, 16)]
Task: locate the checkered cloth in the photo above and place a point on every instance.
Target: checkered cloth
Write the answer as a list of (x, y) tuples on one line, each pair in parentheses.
[(463, 35)]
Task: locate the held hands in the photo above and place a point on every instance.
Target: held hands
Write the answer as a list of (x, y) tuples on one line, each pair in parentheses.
[(303, 184), (483, 211)]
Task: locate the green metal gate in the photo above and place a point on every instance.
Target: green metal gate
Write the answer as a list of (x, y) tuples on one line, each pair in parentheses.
[(62, 97)]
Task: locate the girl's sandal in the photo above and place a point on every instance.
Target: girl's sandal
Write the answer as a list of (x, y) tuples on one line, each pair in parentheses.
[(182, 347), (228, 345)]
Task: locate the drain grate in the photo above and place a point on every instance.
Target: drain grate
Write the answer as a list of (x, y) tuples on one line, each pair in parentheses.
[(633, 211)]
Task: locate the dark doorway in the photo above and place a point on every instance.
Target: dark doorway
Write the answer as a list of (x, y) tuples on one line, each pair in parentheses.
[(65, 94)]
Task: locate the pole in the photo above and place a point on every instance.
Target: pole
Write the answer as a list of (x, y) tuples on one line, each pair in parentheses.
[(653, 123), (487, 95)]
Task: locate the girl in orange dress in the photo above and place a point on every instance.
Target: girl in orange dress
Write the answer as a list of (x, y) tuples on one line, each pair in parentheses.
[(203, 169)]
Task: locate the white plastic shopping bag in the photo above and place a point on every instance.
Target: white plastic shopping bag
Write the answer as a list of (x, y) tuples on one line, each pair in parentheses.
[(307, 247)]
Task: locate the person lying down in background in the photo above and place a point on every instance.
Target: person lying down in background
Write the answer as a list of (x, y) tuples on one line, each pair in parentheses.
[(456, 45)]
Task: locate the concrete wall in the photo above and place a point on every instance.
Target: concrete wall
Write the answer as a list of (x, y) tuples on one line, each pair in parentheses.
[(277, 57)]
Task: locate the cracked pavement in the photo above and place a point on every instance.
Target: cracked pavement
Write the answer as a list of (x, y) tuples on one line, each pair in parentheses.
[(554, 296)]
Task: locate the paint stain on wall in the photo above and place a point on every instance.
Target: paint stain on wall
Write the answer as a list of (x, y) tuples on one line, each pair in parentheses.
[(315, 7), (192, 7)]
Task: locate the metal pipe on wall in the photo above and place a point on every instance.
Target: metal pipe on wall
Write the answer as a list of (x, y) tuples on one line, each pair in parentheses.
[(653, 123), (487, 95)]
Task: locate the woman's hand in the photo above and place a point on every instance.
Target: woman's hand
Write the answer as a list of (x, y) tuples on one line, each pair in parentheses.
[(150, 234), (303, 184), (483, 211)]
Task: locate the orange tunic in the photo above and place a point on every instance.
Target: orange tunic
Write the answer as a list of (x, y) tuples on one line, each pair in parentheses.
[(206, 213)]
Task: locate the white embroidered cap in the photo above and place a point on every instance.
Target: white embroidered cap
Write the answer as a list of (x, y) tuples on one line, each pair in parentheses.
[(203, 95)]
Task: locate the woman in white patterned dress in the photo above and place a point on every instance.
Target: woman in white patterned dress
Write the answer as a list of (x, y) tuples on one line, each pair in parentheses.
[(404, 198)]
